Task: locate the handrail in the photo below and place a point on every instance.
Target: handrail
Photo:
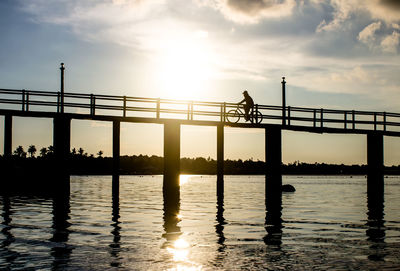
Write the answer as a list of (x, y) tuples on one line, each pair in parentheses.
[(34, 100)]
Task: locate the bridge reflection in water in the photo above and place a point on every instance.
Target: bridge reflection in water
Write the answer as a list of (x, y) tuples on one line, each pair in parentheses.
[(375, 215), (61, 245)]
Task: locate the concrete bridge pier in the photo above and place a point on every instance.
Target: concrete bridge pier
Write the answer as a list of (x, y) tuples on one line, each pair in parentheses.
[(116, 158), (61, 137), (62, 146), (7, 135), (273, 176), (220, 160), (375, 160), (172, 157)]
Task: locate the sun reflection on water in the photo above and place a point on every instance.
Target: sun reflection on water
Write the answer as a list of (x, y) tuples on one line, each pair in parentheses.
[(183, 179), (180, 252)]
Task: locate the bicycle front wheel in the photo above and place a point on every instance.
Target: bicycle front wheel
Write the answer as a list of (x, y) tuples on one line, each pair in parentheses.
[(233, 116)]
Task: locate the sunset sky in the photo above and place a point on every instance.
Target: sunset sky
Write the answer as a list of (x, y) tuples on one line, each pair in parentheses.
[(340, 54)]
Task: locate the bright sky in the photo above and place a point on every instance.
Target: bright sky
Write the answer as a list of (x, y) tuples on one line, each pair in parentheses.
[(341, 54)]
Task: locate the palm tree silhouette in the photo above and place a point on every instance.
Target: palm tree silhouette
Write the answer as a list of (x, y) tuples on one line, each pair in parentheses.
[(19, 151), (43, 152), (50, 149), (32, 150)]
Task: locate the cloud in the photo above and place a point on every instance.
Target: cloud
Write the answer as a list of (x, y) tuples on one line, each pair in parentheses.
[(344, 11), (387, 43), (385, 10), (367, 35), (119, 21), (375, 81), (251, 11), (391, 43)]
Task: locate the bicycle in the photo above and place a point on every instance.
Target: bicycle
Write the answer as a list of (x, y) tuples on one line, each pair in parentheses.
[(233, 115)]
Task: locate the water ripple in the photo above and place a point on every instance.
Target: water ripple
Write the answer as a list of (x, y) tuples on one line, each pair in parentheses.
[(325, 225)]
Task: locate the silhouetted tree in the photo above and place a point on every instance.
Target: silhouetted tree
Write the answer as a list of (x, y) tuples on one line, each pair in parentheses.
[(99, 154), (32, 150), (81, 151), (43, 152), (73, 152), (19, 151), (50, 150)]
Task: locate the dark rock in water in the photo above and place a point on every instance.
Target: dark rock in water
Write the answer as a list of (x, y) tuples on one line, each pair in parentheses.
[(288, 188)]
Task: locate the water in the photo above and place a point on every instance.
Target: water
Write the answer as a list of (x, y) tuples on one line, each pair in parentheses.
[(326, 225)]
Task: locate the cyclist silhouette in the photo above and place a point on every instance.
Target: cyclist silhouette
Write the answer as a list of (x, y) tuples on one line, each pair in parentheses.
[(248, 105)]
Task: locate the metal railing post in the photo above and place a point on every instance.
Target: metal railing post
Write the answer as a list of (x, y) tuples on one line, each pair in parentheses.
[(353, 117), (191, 110), (384, 121), (62, 68), (224, 112), (58, 101), (315, 118), (345, 120), (221, 112), (158, 108), (124, 108), (94, 105), (23, 100), (374, 121), (91, 104), (322, 118), (27, 101), (288, 115), (283, 101)]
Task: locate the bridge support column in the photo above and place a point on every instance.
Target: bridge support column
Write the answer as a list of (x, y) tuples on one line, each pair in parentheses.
[(62, 146), (273, 176), (375, 160), (172, 156), (220, 160), (61, 138), (7, 135), (116, 158)]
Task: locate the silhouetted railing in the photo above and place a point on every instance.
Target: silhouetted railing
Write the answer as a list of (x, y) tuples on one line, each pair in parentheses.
[(124, 106)]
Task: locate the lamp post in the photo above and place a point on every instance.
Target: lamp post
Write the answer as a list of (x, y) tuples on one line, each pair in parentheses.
[(62, 68), (283, 101)]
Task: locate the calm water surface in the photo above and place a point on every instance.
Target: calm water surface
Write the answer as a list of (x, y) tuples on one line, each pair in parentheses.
[(326, 225)]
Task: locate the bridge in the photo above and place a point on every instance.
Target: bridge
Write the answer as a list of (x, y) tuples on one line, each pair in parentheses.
[(62, 107)]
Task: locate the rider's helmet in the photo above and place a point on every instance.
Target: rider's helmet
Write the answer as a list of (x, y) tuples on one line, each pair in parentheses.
[(245, 92)]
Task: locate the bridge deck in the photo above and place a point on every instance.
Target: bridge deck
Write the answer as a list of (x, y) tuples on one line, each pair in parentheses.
[(43, 104)]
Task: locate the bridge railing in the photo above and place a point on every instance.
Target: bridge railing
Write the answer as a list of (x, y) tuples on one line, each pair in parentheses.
[(125, 106)]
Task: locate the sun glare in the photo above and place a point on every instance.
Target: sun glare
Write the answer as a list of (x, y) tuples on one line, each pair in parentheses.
[(183, 179), (185, 68)]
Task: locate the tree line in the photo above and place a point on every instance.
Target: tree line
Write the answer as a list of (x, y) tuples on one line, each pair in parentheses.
[(49, 151), (80, 162)]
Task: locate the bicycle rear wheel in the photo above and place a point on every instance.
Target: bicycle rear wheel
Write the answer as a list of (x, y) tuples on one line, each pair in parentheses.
[(257, 117), (233, 116)]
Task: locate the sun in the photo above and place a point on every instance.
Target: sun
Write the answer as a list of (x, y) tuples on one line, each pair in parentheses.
[(185, 68)]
